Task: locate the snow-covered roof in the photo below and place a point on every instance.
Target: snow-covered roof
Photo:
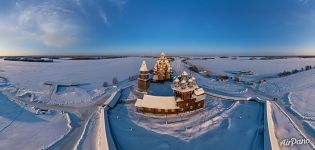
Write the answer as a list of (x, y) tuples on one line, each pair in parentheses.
[(176, 80), (143, 66), (186, 89), (199, 91), (158, 102), (162, 54), (184, 73), (183, 81)]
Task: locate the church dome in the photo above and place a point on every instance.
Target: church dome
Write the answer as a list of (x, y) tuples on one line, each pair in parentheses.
[(184, 73), (162, 54), (183, 81)]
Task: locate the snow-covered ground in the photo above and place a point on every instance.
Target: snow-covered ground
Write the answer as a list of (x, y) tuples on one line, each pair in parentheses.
[(294, 91), (259, 67), (64, 85), (30, 77), (211, 84), (76, 86), (297, 91), (22, 129), (303, 102), (285, 130), (219, 123)]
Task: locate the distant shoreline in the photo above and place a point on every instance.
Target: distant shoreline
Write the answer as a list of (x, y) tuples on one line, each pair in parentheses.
[(47, 58)]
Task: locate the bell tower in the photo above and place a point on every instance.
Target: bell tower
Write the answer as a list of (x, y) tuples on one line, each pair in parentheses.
[(143, 79)]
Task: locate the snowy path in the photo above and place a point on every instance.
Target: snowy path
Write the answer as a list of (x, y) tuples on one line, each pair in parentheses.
[(296, 124), (271, 128), (229, 97), (293, 119), (87, 114), (82, 113)]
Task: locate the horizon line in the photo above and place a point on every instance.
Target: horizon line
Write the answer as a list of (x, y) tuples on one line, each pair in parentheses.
[(155, 55)]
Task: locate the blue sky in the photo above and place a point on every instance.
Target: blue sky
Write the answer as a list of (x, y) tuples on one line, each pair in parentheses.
[(243, 27)]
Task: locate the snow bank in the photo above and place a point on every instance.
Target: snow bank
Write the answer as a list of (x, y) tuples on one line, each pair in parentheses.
[(270, 140)]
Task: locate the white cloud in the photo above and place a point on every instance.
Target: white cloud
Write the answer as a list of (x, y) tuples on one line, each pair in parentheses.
[(306, 17), (119, 3), (79, 4), (303, 2), (104, 17), (46, 23), (52, 24)]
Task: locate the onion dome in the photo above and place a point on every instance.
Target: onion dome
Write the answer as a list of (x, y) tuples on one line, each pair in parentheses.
[(190, 83), (176, 82), (183, 81), (183, 84), (162, 55), (184, 73)]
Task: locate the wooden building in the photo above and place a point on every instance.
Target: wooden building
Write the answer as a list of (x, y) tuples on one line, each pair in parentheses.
[(162, 69), (187, 94), (143, 79), (187, 97)]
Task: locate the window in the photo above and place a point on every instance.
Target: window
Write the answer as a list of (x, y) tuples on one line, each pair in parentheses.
[(173, 110), (166, 110), (191, 107), (199, 104), (186, 104), (159, 110)]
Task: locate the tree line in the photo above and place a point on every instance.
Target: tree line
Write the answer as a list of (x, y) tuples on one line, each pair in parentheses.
[(294, 71)]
